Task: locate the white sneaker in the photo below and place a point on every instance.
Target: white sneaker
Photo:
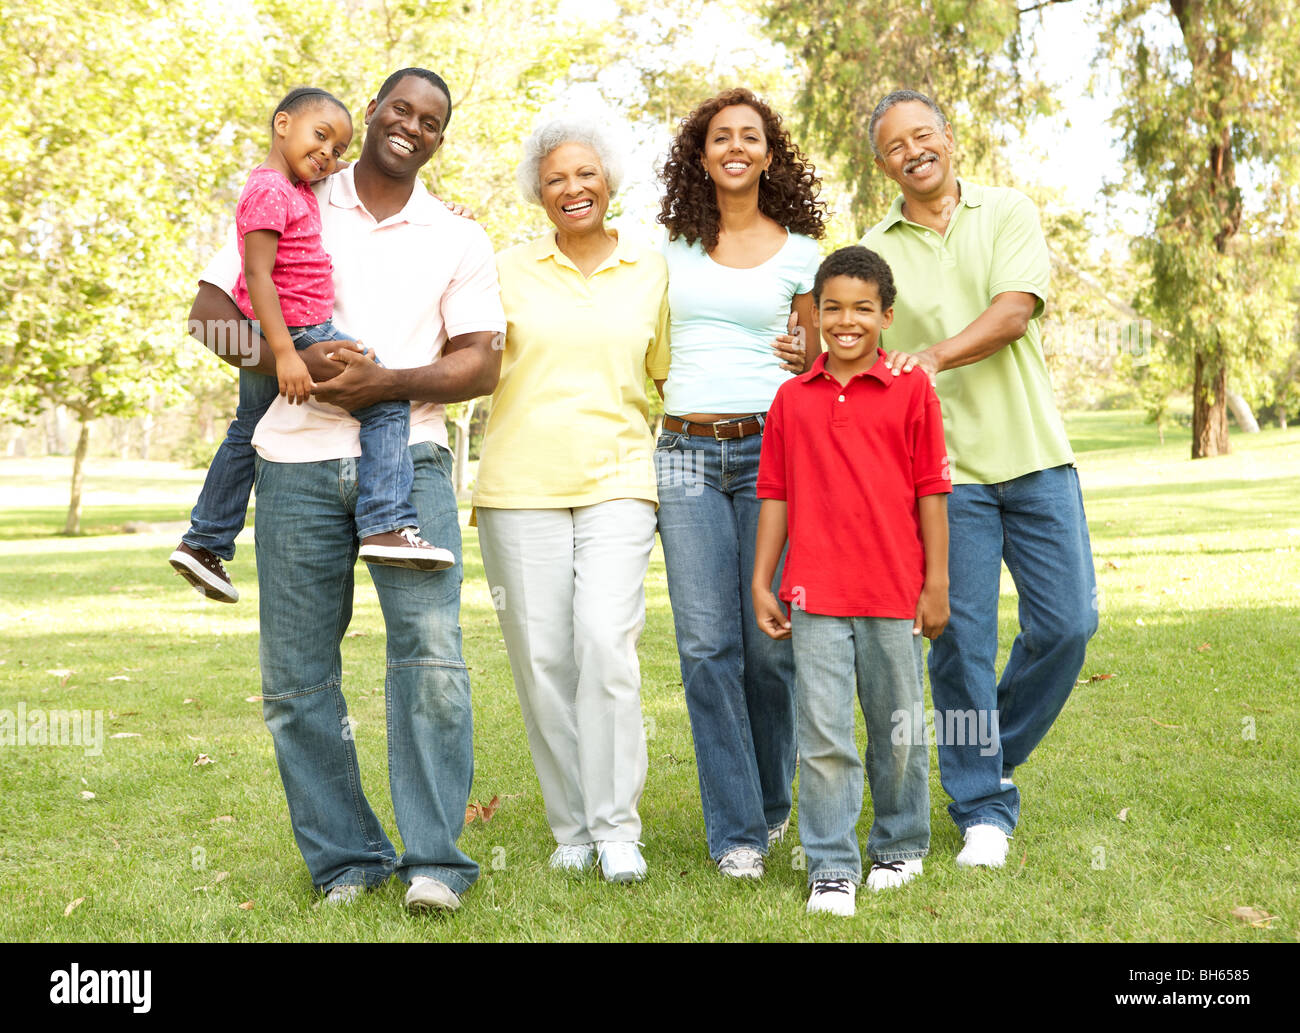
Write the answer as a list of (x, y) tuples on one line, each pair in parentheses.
[(986, 847), (573, 857), (742, 863), (620, 861), (886, 875), (775, 835), (833, 897), (428, 894), (340, 896)]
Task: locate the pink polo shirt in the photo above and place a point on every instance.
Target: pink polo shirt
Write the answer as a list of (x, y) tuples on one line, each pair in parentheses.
[(402, 286), (302, 275), (850, 462)]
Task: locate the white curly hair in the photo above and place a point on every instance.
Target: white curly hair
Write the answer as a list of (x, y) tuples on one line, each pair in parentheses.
[(556, 133)]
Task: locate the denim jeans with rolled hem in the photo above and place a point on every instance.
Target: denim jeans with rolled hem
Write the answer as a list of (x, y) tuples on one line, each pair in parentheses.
[(986, 726), (881, 659), (306, 552), (385, 504), (739, 683)]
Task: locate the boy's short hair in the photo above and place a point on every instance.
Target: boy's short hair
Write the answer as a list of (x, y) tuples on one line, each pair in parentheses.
[(303, 97), (861, 264)]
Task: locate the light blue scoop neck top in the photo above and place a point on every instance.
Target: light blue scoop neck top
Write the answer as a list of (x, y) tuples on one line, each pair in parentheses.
[(724, 321)]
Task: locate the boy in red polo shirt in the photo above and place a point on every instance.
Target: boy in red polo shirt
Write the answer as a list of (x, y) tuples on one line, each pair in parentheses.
[(854, 473)]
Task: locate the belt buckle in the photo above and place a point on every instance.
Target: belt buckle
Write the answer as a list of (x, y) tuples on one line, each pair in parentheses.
[(716, 435)]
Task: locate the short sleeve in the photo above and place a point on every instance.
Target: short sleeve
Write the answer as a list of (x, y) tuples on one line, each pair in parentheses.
[(809, 259), (224, 267), (657, 356), (930, 472), (1020, 258), (264, 205), (472, 301), (771, 460)]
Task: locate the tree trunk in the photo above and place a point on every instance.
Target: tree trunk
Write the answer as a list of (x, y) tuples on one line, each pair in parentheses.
[(460, 471), (73, 524), (1242, 414), (1209, 410)]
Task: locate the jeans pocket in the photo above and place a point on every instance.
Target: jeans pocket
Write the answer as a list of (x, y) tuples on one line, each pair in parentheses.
[(670, 439)]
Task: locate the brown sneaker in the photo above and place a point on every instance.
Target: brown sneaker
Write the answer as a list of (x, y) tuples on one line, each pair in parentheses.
[(405, 548), (205, 571)]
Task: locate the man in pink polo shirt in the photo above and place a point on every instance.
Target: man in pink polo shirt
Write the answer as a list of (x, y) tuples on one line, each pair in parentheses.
[(418, 285), (855, 474)]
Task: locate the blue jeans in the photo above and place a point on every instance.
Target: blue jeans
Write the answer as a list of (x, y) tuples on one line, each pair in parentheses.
[(1037, 525), (385, 464), (882, 658), (306, 551), (739, 683)]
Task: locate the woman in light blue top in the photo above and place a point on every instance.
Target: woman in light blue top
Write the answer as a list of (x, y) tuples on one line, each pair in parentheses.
[(742, 218)]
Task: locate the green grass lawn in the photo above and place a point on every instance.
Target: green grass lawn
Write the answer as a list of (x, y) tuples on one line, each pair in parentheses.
[(1164, 798)]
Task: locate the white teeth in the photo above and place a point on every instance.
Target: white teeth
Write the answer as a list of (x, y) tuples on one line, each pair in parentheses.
[(577, 206), (735, 165), (405, 145)]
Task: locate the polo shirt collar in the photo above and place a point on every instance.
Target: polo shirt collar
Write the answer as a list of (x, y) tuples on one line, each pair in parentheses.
[(879, 370), (421, 207), (972, 196), (547, 246)]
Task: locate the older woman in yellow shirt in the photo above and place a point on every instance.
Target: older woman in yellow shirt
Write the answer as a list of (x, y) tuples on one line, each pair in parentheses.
[(565, 496)]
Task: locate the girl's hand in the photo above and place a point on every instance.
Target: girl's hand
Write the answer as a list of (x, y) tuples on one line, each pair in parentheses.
[(295, 381), (789, 346)]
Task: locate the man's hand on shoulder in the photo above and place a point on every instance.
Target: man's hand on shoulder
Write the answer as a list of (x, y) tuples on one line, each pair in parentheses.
[(905, 362)]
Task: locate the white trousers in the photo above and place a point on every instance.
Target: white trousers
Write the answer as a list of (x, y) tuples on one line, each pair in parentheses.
[(569, 588)]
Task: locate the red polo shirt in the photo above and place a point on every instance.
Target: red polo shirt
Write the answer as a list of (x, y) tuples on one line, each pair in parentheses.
[(850, 462)]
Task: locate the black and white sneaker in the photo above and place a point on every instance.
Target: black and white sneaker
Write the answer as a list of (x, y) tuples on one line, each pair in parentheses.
[(833, 897)]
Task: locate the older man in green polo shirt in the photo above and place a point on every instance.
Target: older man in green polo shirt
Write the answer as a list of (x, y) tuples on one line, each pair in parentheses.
[(972, 271)]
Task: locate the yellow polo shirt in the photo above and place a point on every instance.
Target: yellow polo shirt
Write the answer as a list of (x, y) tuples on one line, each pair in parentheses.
[(570, 421)]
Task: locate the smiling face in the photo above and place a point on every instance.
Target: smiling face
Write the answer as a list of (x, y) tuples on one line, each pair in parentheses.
[(914, 152), (574, 191), (311, 140), (735, 148), (405, 128), (850, 318)]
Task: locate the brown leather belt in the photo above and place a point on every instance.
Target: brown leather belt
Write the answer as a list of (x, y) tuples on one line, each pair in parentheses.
[(723, 430)]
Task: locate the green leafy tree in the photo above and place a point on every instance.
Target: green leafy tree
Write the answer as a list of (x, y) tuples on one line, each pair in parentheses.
[(1210, 114)]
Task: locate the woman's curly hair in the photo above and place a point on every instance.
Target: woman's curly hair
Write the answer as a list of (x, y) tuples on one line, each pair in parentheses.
[(787, 194)]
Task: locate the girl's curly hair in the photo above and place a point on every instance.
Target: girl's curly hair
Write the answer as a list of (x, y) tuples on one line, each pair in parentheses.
[(787, 194)]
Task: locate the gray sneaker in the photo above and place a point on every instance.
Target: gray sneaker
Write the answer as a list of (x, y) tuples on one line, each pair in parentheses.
[(742, 863)]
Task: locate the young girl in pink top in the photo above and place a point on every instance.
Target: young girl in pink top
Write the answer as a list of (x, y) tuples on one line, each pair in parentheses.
[(286, 286)]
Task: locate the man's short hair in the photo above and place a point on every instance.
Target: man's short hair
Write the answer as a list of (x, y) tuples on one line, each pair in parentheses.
[(902, 97), (861, 264), (432, 78)]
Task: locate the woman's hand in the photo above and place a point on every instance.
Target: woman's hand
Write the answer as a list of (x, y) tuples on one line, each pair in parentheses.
[(791, 346)]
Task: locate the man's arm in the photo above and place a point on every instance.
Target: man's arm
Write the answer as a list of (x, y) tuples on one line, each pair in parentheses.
[(468, 367), (1004, 321), (216, 322)]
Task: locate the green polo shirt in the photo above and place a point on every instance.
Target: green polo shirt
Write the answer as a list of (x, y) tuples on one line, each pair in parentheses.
[(999, 415)]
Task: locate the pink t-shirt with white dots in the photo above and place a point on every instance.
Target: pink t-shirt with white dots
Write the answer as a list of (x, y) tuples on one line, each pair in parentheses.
[(303, 274)]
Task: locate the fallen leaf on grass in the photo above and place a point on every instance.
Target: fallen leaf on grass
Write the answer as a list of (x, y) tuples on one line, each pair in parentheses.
[(62, 673), (357, 634), (1123, 814), (1256, 918), (482, 811), (1101, 677), (72, 907), (930, 910), (125, 735), (189, 701), (1112, 564), (252, 699), (246, 906), (86, 794), (1204, 647), (224, 817), (202, 759), (1161, 723)]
